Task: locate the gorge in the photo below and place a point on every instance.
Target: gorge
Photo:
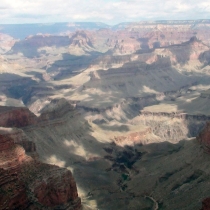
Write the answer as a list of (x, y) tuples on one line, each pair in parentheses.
[(105, 117)]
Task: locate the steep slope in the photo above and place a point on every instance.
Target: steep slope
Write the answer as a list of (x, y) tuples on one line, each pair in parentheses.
[(81, 43), (117, 158), (114, 170), (29, 47), (203, 137), (29, 184)]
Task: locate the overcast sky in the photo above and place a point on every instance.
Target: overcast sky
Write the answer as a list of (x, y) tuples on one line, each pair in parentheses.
[(107, 11)]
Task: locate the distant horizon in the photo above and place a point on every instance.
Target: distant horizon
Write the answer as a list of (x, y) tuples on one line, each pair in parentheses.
[(82, 22)]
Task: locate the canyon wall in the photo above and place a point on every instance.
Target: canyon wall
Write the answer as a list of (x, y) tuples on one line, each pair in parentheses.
[(204, 137), (26, 183)]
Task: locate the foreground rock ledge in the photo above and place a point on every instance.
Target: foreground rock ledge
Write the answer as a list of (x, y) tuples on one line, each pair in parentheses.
[(26, 183)]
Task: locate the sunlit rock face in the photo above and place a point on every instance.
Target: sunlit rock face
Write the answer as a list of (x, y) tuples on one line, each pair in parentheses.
[(143, 136), (6, 42)]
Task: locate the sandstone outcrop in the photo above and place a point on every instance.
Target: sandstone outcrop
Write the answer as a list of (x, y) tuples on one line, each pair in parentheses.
[(16, 117), (81, 43), (26, 183), (132, 138), (20, 138)]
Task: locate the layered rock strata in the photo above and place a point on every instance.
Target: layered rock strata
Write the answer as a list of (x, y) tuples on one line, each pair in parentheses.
[(26, 183), (132, 138), (16, 117)]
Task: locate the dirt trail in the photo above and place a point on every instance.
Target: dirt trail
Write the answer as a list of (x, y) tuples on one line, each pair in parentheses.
[(155, 205)]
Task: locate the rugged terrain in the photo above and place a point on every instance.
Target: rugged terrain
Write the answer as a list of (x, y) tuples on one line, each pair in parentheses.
[(26, 183), (118, 106)]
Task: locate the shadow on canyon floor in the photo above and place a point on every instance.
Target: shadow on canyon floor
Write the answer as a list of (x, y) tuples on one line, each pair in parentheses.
[(113, 177), (71, 65)]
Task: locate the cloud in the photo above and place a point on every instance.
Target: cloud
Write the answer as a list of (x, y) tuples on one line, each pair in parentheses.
[(31, 16), (108, 11), (3, 8)]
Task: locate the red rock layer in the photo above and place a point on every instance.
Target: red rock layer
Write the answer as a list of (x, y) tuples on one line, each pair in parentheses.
[(12, 190), (206, 204), (26, 183), (56, 190), (139, 137), (204, 137), (16, 117)]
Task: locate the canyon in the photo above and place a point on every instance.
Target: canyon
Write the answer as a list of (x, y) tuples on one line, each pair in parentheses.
[(119, 113)]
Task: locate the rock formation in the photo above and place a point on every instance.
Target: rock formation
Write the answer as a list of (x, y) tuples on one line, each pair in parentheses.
[(139, 137), (204, 137), (30, 45), (204, 140), (26, 183), (16, 117), (6, 42), (206, 204)]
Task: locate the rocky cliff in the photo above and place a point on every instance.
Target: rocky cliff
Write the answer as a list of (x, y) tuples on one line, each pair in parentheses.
[(206, 204), (204, 140), (26, 183), (139, 137), (16, 117), (204, 137)]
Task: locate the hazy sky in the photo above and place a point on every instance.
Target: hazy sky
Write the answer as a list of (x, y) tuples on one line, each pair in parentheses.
[(107, 11)]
